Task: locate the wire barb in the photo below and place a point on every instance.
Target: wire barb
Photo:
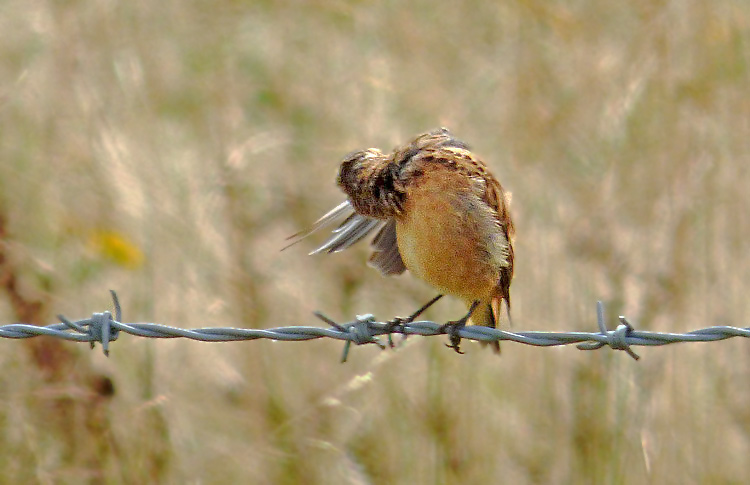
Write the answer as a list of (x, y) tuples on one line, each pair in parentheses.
[(104, 328), (617, 339), (360, 331)]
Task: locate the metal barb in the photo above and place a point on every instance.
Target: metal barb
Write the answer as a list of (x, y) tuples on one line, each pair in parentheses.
[(102, 327), (330, 322), (116, 302)]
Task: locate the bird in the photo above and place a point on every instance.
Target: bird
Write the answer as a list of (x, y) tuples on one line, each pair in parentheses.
[(439, 213)]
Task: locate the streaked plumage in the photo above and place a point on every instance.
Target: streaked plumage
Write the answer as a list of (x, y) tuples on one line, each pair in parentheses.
[(438, 211)]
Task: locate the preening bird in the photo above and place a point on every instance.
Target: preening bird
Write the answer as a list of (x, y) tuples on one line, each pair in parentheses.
[(438, 212)]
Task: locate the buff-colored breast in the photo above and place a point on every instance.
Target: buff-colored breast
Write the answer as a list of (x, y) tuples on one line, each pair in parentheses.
[(446, 235)]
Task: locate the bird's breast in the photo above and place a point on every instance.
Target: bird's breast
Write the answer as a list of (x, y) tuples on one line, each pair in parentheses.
[(445, 235)]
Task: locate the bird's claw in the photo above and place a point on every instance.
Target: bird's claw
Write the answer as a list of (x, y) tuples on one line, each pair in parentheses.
[(398, 324), (452, 329)]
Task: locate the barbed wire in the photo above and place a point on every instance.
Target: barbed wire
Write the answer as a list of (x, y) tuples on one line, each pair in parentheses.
[(105, 328)]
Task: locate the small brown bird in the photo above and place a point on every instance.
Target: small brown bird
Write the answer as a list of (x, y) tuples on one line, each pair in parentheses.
[(440, 214)]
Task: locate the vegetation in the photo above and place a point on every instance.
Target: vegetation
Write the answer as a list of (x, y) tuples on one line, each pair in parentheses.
[(166, 149)]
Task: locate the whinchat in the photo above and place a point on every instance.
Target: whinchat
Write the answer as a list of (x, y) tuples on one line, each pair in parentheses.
[(439, 213)]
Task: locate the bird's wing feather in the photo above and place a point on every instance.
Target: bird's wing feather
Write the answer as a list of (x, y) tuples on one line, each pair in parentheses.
[(354, 228), (351, 231), (385, 256), (341, 210), (496, 198)]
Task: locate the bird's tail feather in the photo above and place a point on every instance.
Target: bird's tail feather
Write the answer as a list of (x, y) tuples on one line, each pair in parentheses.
[(487, 314)]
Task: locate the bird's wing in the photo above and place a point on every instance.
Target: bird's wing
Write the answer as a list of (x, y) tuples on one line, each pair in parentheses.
[(354, 228), (341, 210), (496, 198), (385, 256)]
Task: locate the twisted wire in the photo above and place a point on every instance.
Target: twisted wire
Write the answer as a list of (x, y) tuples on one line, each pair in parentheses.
[(105, 328)]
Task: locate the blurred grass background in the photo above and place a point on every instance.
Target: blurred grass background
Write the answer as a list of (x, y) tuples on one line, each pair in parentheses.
[(166, 149)]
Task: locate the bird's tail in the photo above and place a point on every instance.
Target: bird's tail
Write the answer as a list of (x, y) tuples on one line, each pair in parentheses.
[(488, 315)]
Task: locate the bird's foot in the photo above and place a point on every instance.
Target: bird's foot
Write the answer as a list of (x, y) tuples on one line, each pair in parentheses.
[(452, 328), (398, 323)]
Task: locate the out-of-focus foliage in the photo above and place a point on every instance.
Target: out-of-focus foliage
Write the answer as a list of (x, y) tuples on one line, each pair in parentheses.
[(166, 149)]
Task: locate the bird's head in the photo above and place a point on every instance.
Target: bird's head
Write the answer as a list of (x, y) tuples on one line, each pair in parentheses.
[(438, 138), (355, 166)]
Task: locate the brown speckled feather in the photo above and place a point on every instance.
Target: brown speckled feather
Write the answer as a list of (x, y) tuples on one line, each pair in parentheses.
[(440, 213)]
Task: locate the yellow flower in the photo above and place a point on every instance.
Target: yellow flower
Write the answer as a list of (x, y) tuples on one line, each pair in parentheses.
[(117, 248)]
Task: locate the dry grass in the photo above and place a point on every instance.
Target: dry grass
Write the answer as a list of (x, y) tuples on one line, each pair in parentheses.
[(165, 149)]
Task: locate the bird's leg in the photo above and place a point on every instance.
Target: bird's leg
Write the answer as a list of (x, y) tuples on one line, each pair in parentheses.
[(399, 322), (452, 328)]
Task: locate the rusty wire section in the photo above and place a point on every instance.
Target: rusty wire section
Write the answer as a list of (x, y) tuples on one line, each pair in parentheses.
[(365, 329)]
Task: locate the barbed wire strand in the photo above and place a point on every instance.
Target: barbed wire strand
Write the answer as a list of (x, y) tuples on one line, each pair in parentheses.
[(105, 328)]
